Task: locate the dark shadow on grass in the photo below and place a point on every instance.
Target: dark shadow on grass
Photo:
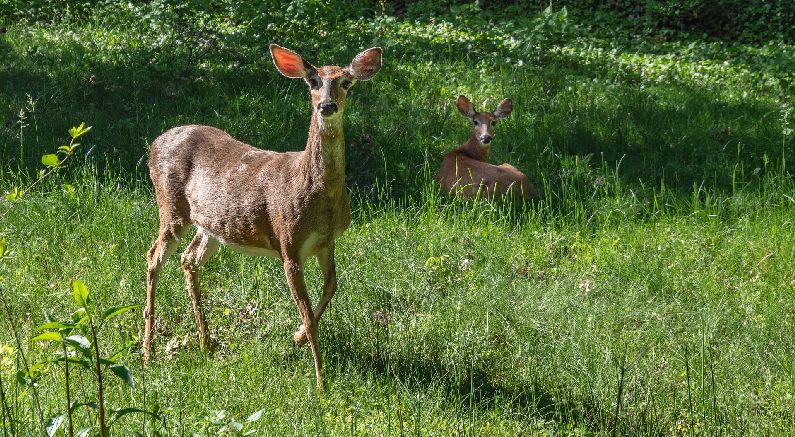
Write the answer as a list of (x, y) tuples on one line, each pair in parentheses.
[(476, 388)]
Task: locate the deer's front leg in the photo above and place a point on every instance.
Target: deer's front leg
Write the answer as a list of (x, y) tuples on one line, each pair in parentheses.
[(295, 279), (325, 259)]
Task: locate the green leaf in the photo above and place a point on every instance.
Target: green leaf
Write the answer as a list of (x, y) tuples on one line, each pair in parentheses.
[(54, 423), (123, 372), (81, 344), (66, 149), (92, 405), (255, 416), (15, 194), (217, 417), (234, 425), (33, 374), (48, 336), (79, 130), (3, 248), (83, 432), (54, 325), (121, 412), (50, 160), (69, 189), (80, 292), (115, 311), (79, 340), (79, 316), (85, 362)]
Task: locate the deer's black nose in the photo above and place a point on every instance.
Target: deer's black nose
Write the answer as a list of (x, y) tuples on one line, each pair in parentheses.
[(327, 108), (485, 139)]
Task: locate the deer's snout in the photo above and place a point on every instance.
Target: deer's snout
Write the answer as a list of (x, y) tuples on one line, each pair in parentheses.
[(327, 108), (485, 139)]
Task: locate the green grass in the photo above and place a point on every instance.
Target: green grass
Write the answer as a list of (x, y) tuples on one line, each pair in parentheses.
[(664, 245)]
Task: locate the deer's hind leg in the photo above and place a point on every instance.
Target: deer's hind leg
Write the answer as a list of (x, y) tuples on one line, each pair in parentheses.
[(197, 253), (165, 244)]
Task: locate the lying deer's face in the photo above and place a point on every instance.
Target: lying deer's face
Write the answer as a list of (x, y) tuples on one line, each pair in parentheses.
[(328, 85), (483, 122)]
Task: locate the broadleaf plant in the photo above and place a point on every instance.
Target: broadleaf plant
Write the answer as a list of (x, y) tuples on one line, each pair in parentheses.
[(78, 342), (52, 162)]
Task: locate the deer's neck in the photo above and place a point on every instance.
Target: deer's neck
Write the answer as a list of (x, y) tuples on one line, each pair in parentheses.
[(474, 149), (325, 151)]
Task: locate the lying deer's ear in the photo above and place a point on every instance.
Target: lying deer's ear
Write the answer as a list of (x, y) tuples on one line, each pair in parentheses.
[(290, 64), (465, 106), (503, 109), (366, 64)]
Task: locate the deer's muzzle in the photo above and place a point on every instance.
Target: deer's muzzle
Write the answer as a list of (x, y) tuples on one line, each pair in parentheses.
[(327, 109)]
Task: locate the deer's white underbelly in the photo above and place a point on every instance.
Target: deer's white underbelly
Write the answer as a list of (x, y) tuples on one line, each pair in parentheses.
[(248, 250)]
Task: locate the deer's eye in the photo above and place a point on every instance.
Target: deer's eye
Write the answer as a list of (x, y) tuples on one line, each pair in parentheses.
[(313, 82), (346, 84), (494, 123), (475, 122)]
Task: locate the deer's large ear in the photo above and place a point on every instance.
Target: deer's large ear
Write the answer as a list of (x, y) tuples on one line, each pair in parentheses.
[(503, 109), (465, 106), (289, 63), (366, 64)]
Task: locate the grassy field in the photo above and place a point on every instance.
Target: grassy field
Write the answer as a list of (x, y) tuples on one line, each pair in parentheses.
[(651, 292)]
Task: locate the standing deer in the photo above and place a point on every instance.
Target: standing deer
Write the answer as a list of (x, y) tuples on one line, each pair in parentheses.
[(465, 170), (290, 205)]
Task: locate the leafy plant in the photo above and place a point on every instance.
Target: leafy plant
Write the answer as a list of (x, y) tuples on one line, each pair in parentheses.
[(79, 346), (6, 364), (551, 26), (225, 425), (53, 162)]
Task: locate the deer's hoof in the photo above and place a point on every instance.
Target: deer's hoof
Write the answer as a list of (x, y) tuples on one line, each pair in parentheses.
[(299, 338)]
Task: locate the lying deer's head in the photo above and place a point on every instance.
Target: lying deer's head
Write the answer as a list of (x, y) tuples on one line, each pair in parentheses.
[(484, 122), (328, 85)]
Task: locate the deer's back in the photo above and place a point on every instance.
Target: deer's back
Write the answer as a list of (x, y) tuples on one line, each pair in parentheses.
[(461, 173), (242, 195)]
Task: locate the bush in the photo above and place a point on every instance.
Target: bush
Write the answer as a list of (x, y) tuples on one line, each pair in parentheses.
[(747, 21)]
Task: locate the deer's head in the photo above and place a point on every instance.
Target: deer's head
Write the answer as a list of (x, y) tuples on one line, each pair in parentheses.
[(484, 122), (328, 85)]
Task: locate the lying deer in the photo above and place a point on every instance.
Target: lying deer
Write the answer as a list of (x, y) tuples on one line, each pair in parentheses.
[(289, 205), (465, 171)]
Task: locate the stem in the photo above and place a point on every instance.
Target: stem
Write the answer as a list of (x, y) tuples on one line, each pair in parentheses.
[(21, 142), (5, 411), (689, 393), (100, 401), (623, 368), (68, 397), (35, 400)]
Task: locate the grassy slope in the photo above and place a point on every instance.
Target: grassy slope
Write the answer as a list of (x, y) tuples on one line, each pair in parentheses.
[(450, 318)]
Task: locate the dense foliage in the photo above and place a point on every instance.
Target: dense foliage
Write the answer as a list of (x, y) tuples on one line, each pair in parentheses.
[(734, 20)]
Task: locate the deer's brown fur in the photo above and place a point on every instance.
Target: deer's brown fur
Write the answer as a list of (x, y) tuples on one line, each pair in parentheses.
[(289, 205), (465, 171)]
